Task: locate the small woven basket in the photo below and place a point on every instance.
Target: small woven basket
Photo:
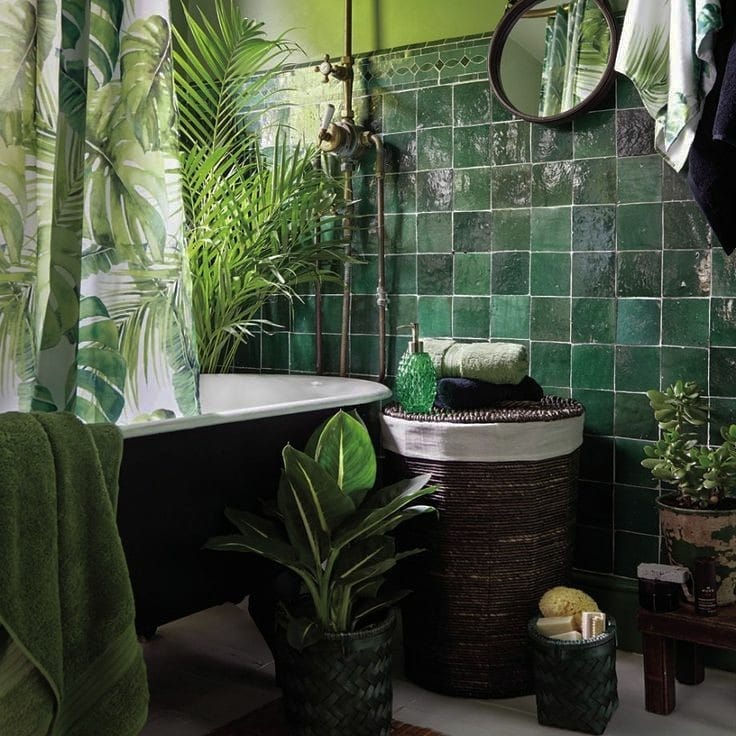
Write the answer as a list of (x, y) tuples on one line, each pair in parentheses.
[(340, 685), (575, 681)]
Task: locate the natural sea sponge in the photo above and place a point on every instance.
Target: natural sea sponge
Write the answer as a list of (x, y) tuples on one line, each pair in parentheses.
[(562, 601)]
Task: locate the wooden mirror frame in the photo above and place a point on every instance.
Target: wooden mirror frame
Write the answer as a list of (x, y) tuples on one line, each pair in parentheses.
[(498, 40)]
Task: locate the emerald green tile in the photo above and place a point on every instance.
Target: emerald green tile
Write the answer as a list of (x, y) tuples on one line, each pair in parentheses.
[(552, 184), (593, 274), (304, 311), (551, 143), (402, 310), (498, 111), (722, 414), (633, 417), (597, 458), (674, 185), (685, 364), (401, 151), (594, 181), (550, 363), (550, 274), (399, 111), (363, 314), (472, 103), (637, 369), (595, 502), (434, 190), (331, 312), (722, 371), (628, 470), (248, 355), (434, 148), (472, 274), (631, 549), (640, 179), (594, 227), (303, 352), (593, 549), (400, 192), (434, 232), (550, 318), (364, 276), (685, 226), (511, 229), (434, 274), (275, 351), (472, 231), (435, 315), (592, 366), (639, 273), (551, 228), (686, 273), (510, 317), (594, 320), (511, 186), (635, 509), (400, 233), (472, 146), (723, 274), (472, 189), (434, 106), (364, 355), (639, 226), (626, 93), (401, 274), (330, 355), (685, 322), (723, 322), (510, 143), (471, 316), (595, 134), (510, 273), (598, 409), (637, 322)]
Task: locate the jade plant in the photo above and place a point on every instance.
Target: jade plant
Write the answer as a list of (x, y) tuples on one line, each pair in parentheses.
[(702, 475), (331, 528)]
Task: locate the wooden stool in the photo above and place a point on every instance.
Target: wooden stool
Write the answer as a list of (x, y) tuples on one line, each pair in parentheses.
[(660, 631)]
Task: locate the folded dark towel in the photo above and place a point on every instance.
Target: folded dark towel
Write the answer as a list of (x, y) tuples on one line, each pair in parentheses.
[(466, 393), (713, 153)]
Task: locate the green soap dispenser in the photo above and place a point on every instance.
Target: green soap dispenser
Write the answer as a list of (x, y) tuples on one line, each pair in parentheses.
[(416, 381)]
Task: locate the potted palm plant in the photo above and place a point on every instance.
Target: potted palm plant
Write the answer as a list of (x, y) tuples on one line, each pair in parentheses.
[(698, 518), (330, 528), (252, 215)]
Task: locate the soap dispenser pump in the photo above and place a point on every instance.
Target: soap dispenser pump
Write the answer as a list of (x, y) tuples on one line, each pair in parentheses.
[(416, 381)]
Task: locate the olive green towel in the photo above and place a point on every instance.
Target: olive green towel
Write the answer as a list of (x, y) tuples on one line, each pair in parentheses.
[(70, 662), (493, 362)]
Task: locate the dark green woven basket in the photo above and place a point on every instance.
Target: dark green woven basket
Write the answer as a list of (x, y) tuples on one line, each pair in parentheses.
[(575, 681), (339, 686)]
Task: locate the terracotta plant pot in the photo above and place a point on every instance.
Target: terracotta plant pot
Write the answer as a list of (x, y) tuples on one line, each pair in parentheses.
[(692, 533)]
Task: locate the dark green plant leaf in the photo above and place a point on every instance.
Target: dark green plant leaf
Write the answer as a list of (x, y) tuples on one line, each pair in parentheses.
[(302, 632)]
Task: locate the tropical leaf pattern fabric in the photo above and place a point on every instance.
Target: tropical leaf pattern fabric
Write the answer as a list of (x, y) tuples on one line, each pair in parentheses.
[(95, 298), (666, 49)]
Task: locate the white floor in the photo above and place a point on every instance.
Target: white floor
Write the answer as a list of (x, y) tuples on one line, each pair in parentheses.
[(210, 668)]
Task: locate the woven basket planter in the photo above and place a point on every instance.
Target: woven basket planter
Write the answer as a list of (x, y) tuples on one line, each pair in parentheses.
[(340, 685), (502, 538), (575, 681)]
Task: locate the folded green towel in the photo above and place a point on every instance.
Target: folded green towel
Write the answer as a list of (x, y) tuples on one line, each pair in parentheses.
[(70, 661), (494, 362)]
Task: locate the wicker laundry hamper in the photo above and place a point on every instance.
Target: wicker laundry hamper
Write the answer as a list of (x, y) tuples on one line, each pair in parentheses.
[(506, 495)]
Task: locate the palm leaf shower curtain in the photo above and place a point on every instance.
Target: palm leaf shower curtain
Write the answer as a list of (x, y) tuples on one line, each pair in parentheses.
[(94, 295), (577, 46)]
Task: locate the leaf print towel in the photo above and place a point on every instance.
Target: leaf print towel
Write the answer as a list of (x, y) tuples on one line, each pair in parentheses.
[(666, 49)]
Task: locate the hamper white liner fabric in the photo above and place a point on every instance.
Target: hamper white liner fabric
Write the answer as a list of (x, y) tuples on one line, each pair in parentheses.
[(496, 442)]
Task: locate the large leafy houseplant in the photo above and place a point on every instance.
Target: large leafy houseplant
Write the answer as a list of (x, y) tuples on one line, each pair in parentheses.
[(252, 215), (331, 528), (702, 476)]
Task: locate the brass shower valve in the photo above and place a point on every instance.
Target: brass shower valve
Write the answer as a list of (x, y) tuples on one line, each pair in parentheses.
[(338, 71)]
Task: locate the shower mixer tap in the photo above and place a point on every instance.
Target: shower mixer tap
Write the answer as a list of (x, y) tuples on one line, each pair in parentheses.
[(339, 71), (343, 138)]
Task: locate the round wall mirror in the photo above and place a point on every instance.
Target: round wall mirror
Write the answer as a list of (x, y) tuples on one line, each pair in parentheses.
[(551, 59)]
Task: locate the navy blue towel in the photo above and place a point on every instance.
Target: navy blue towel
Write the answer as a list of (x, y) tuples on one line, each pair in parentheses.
[(712, 159), (467, 393)]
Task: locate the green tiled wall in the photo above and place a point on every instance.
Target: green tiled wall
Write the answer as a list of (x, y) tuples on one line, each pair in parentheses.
[(577, 240)]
